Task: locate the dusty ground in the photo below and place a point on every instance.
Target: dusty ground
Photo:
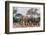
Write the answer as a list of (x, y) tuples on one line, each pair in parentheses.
[(17, 25)]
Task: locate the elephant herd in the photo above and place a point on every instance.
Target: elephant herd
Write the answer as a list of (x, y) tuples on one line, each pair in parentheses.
[(26, 21)]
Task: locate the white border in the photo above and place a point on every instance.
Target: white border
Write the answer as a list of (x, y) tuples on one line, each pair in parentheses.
[(11, 29)]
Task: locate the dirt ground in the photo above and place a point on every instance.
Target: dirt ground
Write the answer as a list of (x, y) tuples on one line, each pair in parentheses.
[(17, 25)]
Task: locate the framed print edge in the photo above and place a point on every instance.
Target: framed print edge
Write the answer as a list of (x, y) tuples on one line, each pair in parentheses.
[(7, 17)]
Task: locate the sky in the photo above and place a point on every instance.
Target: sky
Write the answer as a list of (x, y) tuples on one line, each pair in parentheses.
[(22, 11)]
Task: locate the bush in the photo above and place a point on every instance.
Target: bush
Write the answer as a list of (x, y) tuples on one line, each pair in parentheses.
[(15, 19)]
